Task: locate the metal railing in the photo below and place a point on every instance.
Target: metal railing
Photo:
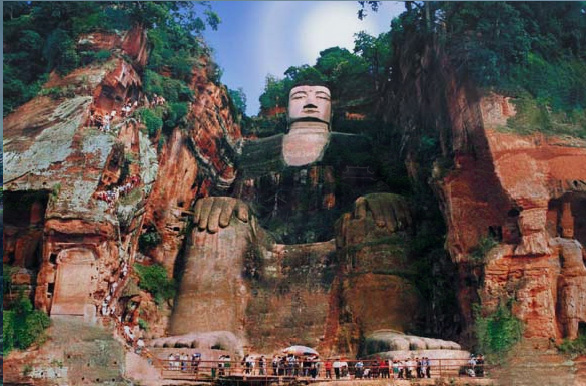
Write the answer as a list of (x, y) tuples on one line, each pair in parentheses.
[(208, 370)]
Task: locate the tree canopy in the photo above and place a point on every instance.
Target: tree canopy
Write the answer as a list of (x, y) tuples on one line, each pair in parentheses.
[(40, 37), (349, 75)]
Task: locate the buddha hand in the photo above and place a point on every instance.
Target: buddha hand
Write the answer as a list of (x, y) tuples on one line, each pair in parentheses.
[(213, 213), (388, 210)]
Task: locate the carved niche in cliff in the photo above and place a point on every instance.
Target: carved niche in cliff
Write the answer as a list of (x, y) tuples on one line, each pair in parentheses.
[(75, 280)]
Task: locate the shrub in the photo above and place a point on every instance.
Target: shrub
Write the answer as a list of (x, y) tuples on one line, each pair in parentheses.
[(88, 57), (174, 90), (154, 279), (22, 325), (143, 324), (59, 92), (149, 240), (485, 244), (7, 272), (574, 347), (175, 114), (499, 331), (152, 122)]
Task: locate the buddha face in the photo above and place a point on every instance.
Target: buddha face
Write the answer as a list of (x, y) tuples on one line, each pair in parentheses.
[(310, 103)]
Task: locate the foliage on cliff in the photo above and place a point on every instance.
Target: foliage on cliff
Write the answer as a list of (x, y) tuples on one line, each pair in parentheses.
[(575, 347), (533, 52), (154, 279), (498, 332), (40, 37), (22, 326)]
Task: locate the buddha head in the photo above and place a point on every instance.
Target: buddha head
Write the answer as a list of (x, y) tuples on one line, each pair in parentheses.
[(309, 116), (309, 104)]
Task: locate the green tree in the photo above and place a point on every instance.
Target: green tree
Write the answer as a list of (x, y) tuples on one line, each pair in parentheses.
[(304, 73), (40, 37), (22, 325), (377, 53), (274, 94), (238, 97), (498, 331), (154, 279)]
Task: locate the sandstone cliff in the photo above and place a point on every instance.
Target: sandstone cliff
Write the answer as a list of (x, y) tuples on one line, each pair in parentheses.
[(514, 204), (79, 197)]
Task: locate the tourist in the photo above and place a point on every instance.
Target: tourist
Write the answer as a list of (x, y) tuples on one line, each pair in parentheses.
[(195, 360), (395, 369), (220, 366), (358, 369), (227, 364), (184, 358), (296, 366), (128, 333), (427, 367), (384, 368), (479, 368), (375, 369), (409, 368), (290, 365), (170, 361), (419, 370), (344, 369), (275, 365), (306, 366), (402, 372), (250, 364), (314, 369), (328, 368), (471, 366), (139, 346), (262, 363), (337, 365), (105, 307), (113, 288), (106, 122)]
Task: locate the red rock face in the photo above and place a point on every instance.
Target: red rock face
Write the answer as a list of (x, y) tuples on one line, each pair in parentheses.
[(72, 242), (528, 193), (191, 163), (135, 43)]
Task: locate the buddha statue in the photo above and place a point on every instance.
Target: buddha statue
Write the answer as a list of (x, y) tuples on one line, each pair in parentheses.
[(308, 178)]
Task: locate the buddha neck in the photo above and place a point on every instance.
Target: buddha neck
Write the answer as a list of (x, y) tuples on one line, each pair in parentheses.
[(308, 127), (305, 143)]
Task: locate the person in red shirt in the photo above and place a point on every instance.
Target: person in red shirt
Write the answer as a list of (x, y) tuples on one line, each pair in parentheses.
[(328, 367), (384, 368)]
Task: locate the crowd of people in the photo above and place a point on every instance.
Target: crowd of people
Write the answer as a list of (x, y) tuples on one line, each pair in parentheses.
[(157, 100), (475, 366), (111, 196), (311, 366), (104, 121), (183, 362), (129, 330)]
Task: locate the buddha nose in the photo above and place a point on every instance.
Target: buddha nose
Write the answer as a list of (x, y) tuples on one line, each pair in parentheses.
[(311, 99), (310, 106)]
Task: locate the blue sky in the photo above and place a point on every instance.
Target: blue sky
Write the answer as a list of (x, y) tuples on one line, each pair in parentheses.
[(257, 38)]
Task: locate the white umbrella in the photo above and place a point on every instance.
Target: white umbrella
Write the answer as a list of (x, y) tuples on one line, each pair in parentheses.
[(300, 350)]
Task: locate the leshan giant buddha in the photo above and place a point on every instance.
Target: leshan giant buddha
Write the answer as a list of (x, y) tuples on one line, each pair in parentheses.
[(297, 186)]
